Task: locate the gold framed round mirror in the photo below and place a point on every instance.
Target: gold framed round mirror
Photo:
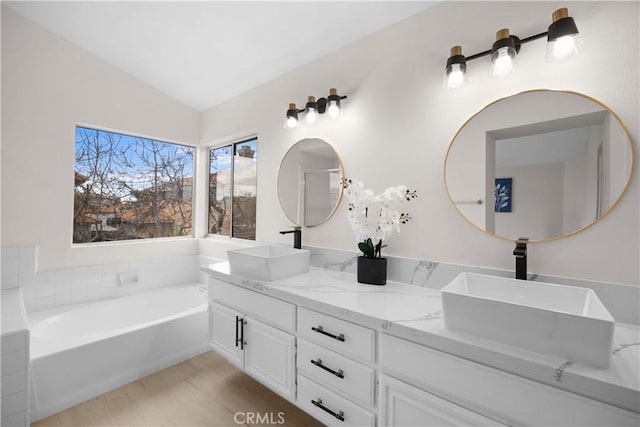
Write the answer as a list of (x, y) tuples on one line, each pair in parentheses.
[(542, 164), (310, 182)]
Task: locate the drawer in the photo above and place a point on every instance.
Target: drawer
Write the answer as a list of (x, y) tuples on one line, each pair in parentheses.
[(329, 407), (494, 393), (343, 337), (270, 310), (336, 372)]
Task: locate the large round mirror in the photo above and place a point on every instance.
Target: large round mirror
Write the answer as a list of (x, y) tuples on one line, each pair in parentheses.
[(310, 182), (540, 164)]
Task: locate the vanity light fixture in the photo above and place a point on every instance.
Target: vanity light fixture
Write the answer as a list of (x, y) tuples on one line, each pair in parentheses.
[(315, 107), (563, 40), (504, 54)]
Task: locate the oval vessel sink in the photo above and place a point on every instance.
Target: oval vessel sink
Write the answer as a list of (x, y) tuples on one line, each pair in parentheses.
[(564, 321)]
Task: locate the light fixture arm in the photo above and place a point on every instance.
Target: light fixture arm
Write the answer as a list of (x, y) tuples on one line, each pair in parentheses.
[(518, 42)]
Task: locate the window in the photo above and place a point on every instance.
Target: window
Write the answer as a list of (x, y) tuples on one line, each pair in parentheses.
[(128, 187), (233, 188)]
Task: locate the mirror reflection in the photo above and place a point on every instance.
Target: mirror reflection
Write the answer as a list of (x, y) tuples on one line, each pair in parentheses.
[(540, 164), (309, 182)]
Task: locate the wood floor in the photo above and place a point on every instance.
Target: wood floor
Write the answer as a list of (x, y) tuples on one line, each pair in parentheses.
[(203, 391)]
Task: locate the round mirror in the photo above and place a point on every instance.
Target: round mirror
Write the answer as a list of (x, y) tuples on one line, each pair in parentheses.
[(310, 182), (541, 164)]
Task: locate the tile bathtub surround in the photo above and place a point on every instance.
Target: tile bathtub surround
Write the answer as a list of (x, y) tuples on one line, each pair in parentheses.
[(14, 361), (52, 288), (17, 266)]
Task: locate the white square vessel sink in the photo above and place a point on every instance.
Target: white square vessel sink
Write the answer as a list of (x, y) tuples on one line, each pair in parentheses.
[(268, 262), (564, 321)]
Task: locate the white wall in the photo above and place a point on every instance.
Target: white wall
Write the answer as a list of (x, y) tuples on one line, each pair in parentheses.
[(398, 122), (49, 86), (395, 129)]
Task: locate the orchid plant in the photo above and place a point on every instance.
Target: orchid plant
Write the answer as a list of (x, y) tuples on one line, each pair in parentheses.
[(373, 217)]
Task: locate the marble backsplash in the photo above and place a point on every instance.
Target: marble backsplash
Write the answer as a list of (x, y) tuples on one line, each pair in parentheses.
[(622, 301)]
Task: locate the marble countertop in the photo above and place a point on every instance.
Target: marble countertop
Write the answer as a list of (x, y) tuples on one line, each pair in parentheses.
[(415, 313)]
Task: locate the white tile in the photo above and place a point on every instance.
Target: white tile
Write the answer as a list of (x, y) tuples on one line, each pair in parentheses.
[(15, 420), (62, 299), (78, 297), (14, 362), (108, 292), (46, 289), (94, 294), (45, 303), (14, 403), (31, 305), (79, 279), (29, 292), (9, 259), (46, 277), (9, 282), (64, 280), (16, 341), (27, 265), (27, 252), (27, 280), (94, 277), (14, 383)]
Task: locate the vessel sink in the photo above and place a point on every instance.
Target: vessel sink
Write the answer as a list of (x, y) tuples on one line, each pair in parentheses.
[(564, 321), (268, 262)]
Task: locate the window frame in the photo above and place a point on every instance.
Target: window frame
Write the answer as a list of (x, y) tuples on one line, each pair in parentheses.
[(195, 169), (231, 142)]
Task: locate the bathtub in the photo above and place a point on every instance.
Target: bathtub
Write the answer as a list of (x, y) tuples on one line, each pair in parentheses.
[(83, 350)]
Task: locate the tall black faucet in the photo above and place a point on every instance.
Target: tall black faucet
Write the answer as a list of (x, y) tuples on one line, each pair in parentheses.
[(520, 252), (297, 236)]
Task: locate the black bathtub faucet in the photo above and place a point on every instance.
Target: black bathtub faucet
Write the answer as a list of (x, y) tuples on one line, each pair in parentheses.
[(297, 236), (520, 253)]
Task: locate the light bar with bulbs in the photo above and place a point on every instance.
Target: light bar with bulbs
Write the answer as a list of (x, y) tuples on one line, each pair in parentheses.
[(313, 108), (563, 40)]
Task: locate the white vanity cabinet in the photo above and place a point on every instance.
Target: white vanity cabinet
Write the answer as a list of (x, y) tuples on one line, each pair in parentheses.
[(448, 386), (244, 332), (336, 376), (404, 405)]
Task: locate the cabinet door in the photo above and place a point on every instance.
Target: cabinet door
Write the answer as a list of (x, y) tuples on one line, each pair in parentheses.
[(405, 405), (222, 332), (269, 356)]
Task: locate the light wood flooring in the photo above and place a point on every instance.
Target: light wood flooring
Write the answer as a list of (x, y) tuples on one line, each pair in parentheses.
[(203, 391)]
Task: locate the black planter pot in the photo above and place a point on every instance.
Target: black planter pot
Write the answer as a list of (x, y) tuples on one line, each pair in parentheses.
[(372, 271)]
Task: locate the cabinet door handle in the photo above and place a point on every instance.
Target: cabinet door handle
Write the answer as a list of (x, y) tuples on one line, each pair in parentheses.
[(339, 373), (320, 330), (242, 323), (339, 415), (237, 319)]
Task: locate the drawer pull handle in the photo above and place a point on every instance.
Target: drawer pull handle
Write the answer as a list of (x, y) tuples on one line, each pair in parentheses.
[(339, 373), (339, 415), (320, 330)]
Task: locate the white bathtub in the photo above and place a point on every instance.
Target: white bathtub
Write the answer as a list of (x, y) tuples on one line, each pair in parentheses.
[(83, 350)]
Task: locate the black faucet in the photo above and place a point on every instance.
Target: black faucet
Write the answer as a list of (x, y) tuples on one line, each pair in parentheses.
[(520, 252), (297, 236)]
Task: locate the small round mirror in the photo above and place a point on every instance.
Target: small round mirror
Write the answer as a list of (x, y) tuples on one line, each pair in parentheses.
[(541, 164), (310, 182)]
